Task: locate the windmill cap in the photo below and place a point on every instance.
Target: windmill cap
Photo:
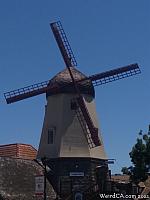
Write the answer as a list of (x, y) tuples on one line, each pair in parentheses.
[(63, 82)]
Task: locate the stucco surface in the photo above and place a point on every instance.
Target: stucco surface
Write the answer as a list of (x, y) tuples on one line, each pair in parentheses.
[(17, 179)]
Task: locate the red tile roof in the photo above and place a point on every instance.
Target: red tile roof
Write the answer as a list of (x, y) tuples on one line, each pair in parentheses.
[(24, 151)]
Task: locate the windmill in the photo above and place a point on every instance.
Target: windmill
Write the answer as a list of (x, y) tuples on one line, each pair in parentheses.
[(71, 143)]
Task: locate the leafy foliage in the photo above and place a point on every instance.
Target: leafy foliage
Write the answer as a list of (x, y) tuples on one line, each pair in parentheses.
[(140, 157), (125, 170)]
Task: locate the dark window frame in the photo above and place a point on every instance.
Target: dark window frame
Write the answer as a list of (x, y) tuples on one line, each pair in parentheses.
[(51, 135)]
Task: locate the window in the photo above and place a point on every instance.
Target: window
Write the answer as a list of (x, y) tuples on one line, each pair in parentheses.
[(51, 135)]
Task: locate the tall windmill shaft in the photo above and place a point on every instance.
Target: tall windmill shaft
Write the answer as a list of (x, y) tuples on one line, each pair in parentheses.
[(71, 159), (70, 153)]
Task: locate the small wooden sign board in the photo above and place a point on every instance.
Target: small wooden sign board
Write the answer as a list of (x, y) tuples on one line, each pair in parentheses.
[(39, 185)]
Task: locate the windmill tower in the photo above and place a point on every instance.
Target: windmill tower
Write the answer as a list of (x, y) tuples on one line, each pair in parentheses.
[(71, 142)]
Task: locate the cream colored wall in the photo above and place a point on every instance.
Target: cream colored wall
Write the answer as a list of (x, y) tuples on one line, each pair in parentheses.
[(69, 140), (97, 152)]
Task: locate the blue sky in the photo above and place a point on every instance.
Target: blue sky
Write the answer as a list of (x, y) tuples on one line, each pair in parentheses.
[(104, 35)]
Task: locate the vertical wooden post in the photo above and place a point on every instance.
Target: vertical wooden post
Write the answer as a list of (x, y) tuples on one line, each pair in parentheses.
[(45, 181)]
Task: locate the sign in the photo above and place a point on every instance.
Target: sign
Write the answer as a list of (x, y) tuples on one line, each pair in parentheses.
[(76, 173), (39, 185)]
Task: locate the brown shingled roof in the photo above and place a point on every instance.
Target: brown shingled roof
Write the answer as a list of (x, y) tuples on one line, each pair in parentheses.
[(63, 82)]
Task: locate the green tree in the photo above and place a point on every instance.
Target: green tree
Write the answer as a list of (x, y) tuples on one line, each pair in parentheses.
[(137, 155), (140, 157), (125, 170)]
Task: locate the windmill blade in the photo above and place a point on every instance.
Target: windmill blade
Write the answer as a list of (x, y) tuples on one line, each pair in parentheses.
[(90, 132), (63, 44), (97, 79), (93, 138), (26, 92), (71, 62), (113, 75)]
